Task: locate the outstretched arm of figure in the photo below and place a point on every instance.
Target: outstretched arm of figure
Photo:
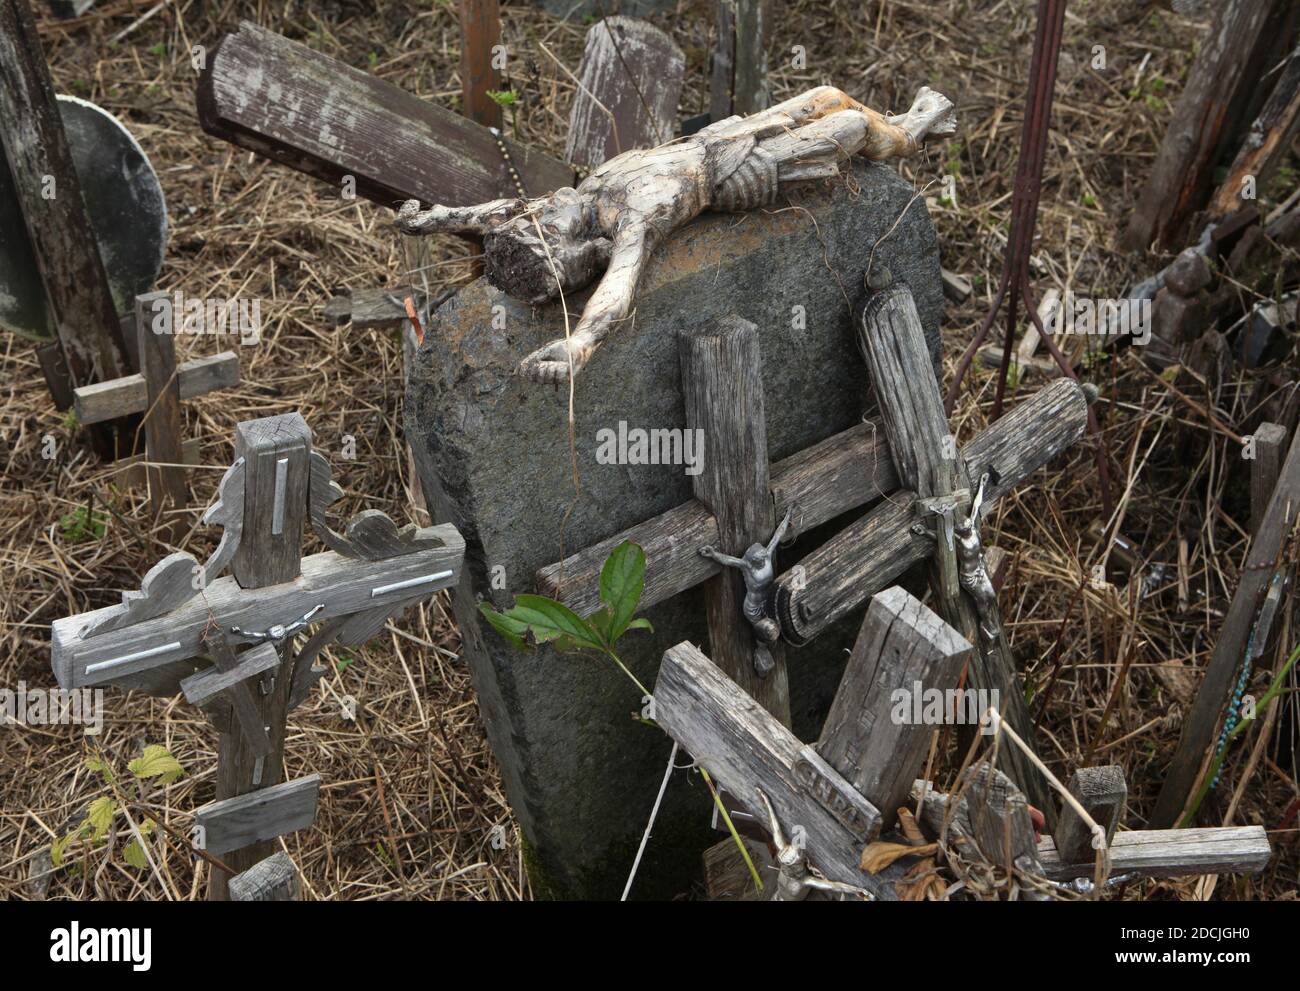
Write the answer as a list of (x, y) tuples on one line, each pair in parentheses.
[(779, 535), (608, 306), (726, 560), (478, 219)]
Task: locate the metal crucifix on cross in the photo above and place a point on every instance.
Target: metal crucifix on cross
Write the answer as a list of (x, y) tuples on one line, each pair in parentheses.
[(246, 622)]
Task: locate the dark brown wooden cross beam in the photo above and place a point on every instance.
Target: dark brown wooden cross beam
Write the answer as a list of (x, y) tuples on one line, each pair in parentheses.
[(184, 612)]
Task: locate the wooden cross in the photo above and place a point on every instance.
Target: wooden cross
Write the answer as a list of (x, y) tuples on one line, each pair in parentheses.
[(840, 792), (156, 637), (157, 391)]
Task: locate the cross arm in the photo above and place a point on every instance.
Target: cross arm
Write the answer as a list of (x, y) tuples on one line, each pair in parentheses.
[(1170, 853), (118, 397), (342, 585)]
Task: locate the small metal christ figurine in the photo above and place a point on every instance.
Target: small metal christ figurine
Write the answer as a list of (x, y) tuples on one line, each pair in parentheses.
[(760, 576), (972, 573), (794, 880)]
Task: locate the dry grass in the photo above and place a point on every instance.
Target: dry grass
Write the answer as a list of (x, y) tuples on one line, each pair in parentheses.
[(411, 791)]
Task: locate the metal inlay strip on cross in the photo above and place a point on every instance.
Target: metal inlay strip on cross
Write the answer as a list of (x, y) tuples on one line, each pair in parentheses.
[(281, 484), (409, 583), (139, 655)]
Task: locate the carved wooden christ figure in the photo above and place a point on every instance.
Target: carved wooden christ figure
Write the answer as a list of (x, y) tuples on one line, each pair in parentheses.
[(537, 249)]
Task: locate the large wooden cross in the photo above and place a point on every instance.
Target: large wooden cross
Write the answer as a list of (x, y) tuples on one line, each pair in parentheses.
[(739, 500), (246, 622)]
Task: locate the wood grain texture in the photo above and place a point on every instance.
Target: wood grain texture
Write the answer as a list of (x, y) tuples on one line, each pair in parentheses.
[(630, 80), (832, 477), (722, 389), (1103, 793), (320, 116), (1170, 853), (738, 74), (129, 394), (203, 688), (480, 30), (250, 726), (1257, 572), (1220, 84), (746, 749), (343, 585), (261, 815), (999, 819), (1270, 445), (901, 645), (274, 879), (277, 472), (81, 306), (872, 552), (162, 421)]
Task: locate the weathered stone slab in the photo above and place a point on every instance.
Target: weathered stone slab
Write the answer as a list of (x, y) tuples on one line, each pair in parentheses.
[(493, 454)]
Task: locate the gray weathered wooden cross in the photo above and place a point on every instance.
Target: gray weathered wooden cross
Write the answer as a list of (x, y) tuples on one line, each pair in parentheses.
[(246, 622), (739, 501), (157, 391)]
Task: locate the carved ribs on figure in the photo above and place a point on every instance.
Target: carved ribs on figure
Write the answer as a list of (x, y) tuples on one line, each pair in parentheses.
[(537, 248)]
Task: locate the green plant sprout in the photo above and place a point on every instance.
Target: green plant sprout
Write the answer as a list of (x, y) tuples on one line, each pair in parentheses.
[(83, 524), (536, 619), (503, 98), (1274, 690), (97, 827)]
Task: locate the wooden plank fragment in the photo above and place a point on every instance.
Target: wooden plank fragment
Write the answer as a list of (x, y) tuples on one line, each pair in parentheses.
[(480, 31), (274, 879), (276, 452), (130, 473), (1170, 853), (1103, 794), (162, 420), (81, 306), (630, 81), (122, 396), (999, 819), (203, 688), (1270, 442), (235, 823), (1256, 574), (322, 117), (722, 388), (738, 75), (746, 749), (901, 645)]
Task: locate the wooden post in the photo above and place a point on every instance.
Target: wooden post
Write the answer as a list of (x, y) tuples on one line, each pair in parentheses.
[(49, 194), (1256, 574), (999, 819), (901, 645), (722, 385), (162, 421), (1270, 441), (276, 459), (480, 31), (1219, 89), (738, 77), (1103, 794), (274, 879), (926, 457)]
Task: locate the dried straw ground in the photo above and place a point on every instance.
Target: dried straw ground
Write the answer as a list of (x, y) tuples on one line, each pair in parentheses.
[(411, 791)]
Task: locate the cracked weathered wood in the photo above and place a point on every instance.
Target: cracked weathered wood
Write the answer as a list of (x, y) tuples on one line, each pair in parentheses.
[(1270, 445), (129, 394), (870, 553), (901, 645), (162, 420), (203, 688), (318, 115), (249, 715), (1220, 85), (630, 80), (745, 749), (274, 879), (1207, 710), (1103, 794), (1169, 853), (927, 460), (999, 819), (738, 74), (480, 32), (83, 315), (234, 824), (722, 390)]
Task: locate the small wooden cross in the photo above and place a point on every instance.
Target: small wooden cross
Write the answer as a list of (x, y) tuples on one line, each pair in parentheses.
[(840, 792), (157, 391), (185, 611)]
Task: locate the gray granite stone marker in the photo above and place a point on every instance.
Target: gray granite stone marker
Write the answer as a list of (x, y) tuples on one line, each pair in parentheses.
[(493, 455)]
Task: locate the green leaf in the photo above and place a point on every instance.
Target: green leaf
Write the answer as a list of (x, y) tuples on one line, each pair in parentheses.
[(134, 854), (622, 580), (549, 619), (57, 849), (514, 630), (156, 763), (99, 818), (600, 622), (640, 624), (98, 766)]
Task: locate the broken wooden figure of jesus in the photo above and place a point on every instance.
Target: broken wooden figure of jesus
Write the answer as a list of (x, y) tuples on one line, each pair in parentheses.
[(553, 245)]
